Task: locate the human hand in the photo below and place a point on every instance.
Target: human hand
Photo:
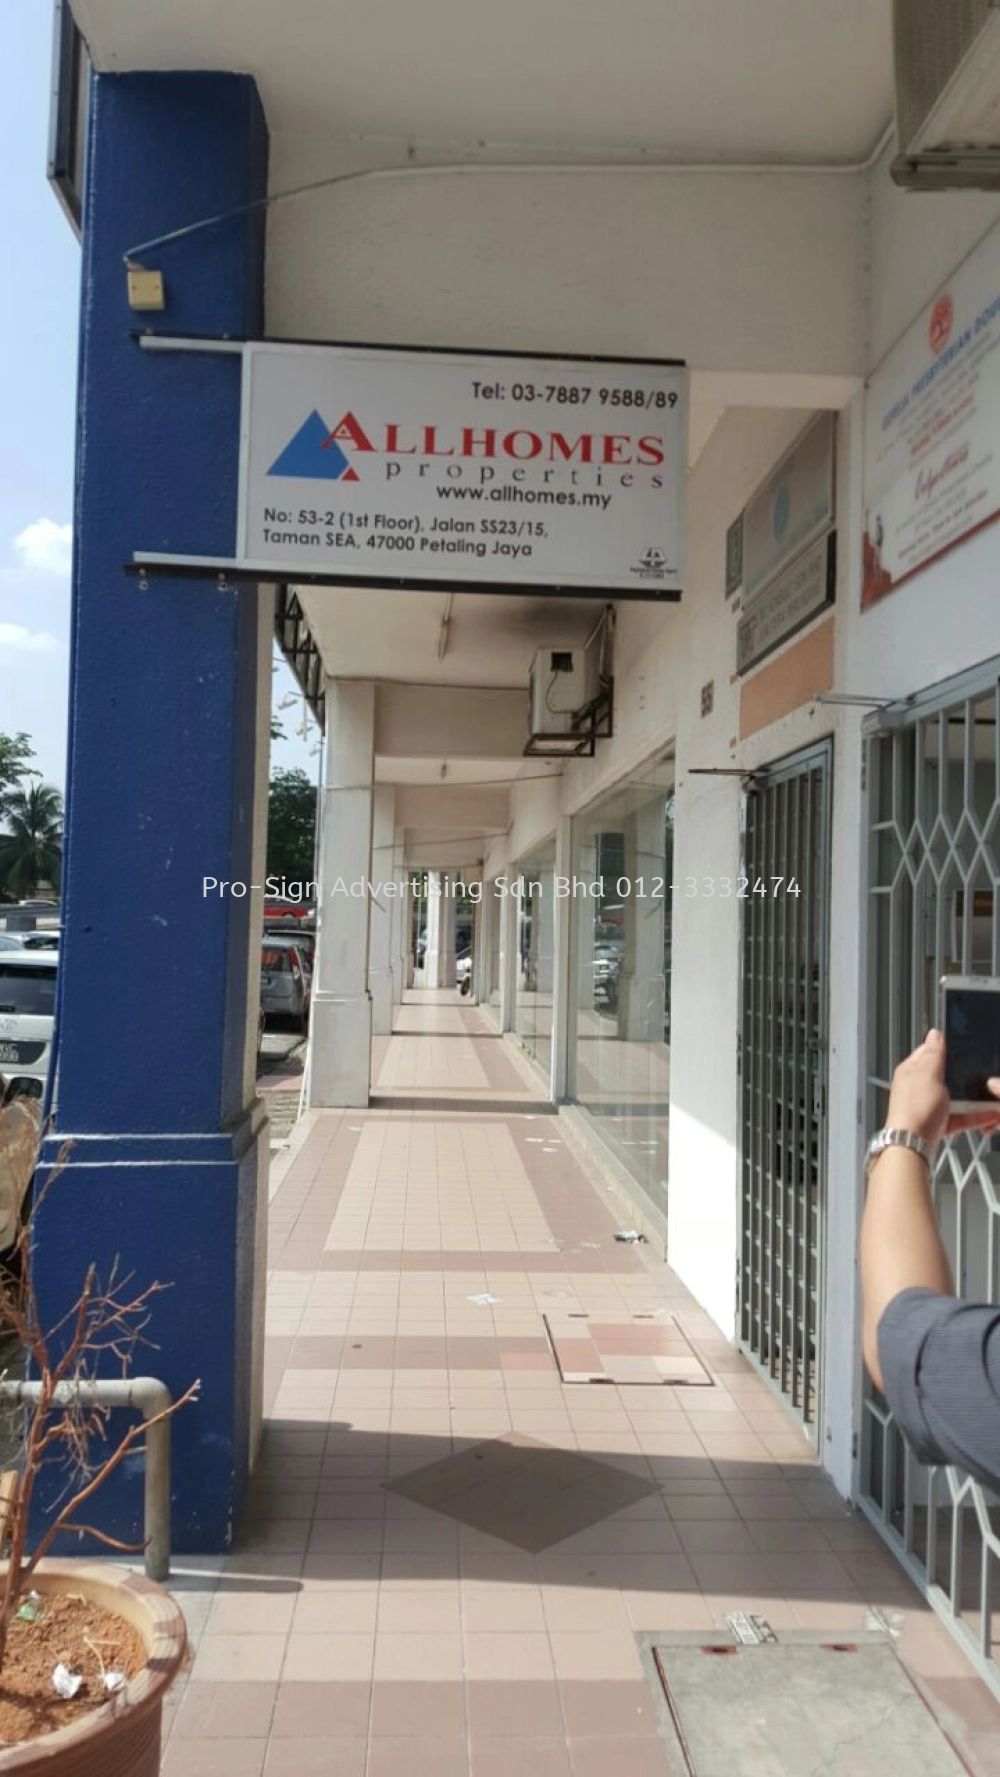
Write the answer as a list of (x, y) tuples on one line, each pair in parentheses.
[(919, 1101)]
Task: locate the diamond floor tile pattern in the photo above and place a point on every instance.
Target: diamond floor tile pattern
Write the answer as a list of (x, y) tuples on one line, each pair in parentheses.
[(522, 1492)]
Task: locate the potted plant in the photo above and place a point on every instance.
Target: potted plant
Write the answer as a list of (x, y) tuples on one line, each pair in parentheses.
[(87, 1651)]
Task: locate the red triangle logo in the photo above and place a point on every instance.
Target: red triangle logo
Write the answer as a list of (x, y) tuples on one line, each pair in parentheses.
[(350, 475)]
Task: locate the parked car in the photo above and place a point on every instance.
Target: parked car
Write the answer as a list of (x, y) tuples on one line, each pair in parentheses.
[(303, 938), (27, 1011), (40, 940), (11, 941), (285, 981), (607, 968)]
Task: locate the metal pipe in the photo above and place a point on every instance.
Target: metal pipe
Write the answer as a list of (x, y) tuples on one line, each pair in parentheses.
[(150, 1398), (485, 168)]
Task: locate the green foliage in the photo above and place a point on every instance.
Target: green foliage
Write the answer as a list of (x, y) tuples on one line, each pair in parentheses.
[(291, 826), (31, 847), (15, 752)]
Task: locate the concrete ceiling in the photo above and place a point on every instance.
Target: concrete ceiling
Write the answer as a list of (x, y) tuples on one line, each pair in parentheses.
[(725, 80), (395, 637), (369, 633)]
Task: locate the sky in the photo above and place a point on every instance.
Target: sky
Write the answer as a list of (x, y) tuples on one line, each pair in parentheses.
[(39, 304)]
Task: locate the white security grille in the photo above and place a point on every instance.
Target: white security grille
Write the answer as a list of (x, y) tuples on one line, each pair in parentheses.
[(934, 909)]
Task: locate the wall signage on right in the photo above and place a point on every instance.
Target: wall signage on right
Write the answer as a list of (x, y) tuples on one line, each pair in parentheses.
[(791, 601), (793, 507), (932, 430), (734, 556)]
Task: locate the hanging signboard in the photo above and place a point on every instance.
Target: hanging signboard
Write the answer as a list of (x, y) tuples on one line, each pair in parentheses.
[(68, 113), (932, 430), (790, 601), (793, 507), (412, 467)]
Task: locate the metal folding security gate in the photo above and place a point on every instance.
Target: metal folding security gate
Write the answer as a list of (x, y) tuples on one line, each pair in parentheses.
[(783, 1052), (933, 910)]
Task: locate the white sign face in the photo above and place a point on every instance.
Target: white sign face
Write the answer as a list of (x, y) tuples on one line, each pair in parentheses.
[(791, 509), (932, 429), (439, 467)]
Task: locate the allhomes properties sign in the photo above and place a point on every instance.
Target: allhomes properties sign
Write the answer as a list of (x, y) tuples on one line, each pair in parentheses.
[(411, 467)]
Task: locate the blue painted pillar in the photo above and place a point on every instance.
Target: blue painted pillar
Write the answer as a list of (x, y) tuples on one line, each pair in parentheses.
[(164, 1172)]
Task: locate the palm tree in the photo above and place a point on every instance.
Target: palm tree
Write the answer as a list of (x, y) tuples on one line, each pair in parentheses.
[(31, 848)]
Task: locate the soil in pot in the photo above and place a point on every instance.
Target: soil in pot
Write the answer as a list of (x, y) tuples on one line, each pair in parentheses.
[(71, 1632)]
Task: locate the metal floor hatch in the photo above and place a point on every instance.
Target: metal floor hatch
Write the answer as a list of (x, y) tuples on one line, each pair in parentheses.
[(796, 1707)]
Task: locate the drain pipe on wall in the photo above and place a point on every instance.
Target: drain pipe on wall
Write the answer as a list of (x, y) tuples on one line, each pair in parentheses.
[(150, 1398)]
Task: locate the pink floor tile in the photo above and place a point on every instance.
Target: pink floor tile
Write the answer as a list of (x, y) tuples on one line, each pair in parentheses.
[(382, 1619)]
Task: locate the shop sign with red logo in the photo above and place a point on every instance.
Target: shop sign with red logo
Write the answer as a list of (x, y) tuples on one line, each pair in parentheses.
[(932, 430)]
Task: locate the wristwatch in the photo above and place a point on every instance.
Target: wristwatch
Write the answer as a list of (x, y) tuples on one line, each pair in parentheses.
[(898, 1138)]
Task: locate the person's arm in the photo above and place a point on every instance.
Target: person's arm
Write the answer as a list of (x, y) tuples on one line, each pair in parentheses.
[(900, 1247)]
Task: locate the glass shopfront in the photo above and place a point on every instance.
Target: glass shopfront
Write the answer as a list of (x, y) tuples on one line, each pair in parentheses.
[(620, 1060), (491, 911), (536, 954)]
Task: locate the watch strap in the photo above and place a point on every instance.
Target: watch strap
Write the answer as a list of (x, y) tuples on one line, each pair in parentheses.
[(898, 1138)]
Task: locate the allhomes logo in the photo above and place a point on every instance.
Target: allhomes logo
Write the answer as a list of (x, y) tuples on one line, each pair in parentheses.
[(314, 454)]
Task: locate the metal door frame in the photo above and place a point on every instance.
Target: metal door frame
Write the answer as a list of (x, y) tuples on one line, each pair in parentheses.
[(787, 928)]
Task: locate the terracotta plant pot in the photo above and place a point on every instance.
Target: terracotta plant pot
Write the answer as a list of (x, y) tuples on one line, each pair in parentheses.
[(122, 1738)]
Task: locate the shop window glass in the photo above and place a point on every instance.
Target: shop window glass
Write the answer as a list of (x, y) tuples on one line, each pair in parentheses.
[(536, 955), (623, 857), (492, 912)]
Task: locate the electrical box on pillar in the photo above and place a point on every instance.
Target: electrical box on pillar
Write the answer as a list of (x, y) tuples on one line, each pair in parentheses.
[(145, 288)]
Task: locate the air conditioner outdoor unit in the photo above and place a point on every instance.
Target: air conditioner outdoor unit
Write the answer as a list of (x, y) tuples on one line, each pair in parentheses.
[(571, 695), (947, 68), (558, 689)]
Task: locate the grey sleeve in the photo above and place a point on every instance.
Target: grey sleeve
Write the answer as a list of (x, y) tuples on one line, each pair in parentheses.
[(940, 1363)]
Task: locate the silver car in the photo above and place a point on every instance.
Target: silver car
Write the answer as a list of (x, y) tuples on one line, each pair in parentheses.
[(285, 981), (27, 1012)]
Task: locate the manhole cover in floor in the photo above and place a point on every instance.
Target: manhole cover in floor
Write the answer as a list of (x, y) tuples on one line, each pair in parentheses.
[(646, 1348), (796, 1709), (525, 1493)]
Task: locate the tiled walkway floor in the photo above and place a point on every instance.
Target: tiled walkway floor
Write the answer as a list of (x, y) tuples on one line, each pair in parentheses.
[(360, 1631)]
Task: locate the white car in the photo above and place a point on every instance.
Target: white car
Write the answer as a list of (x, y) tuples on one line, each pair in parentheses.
[(27, 1012)]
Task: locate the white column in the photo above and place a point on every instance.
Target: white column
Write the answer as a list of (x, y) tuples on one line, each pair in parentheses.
[(563, 997), (410, 934), (509, 959), (432, 926), (446, 933), (481, 953), (580, 1043), (341, 1007), (400, 921), (380, 909), (439, 957)]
